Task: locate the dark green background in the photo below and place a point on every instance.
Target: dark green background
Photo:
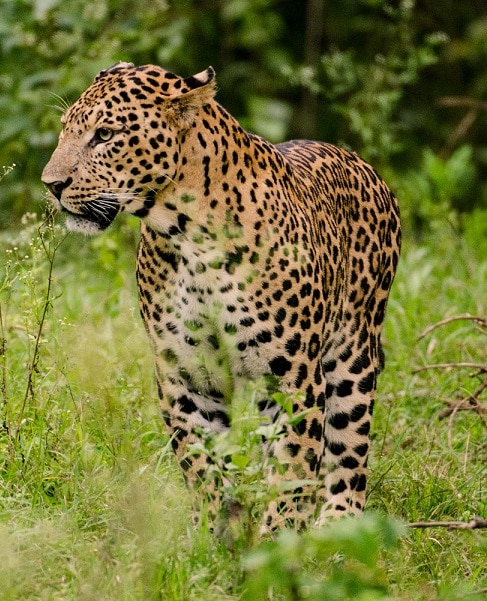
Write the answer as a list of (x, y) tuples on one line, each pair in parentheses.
[(402, 83)]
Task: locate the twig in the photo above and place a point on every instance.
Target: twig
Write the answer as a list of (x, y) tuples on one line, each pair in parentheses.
[(459, 132), (461, 101), (480, 320), (474, 108), (3, 355), (3, 386), (455, 406), (482, 368), (473, 524), (472, 400)]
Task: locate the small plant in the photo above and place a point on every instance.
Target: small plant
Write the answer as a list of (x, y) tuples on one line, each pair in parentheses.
[(337, 562), (241, 461), (6, 170), (30, 259), (439, 192)]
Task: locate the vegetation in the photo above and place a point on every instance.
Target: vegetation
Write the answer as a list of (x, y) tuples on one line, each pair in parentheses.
[(92, 504)]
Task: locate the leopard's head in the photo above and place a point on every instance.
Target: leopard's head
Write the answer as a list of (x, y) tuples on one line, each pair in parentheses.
[(121, 143)]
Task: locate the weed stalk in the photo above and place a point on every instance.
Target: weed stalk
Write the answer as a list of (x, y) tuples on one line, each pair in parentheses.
[(50, 245)]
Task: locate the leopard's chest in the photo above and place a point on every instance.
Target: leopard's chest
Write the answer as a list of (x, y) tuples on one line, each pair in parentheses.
[(200, 315)]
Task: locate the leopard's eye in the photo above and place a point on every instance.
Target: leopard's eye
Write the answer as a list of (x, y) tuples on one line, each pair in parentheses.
[(103, 134)]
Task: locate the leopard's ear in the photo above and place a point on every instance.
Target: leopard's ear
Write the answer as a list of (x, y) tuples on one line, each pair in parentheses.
[(183, 108), (201, 79)]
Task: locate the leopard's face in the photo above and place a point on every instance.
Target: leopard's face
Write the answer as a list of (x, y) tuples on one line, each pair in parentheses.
[(120, 144)]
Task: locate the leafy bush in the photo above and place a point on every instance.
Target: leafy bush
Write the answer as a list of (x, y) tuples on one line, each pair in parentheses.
[(345, 560), (363, 85), (439, 193), (369, 84)]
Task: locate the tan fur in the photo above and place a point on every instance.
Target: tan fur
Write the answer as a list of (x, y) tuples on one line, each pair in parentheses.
[(255, 261)]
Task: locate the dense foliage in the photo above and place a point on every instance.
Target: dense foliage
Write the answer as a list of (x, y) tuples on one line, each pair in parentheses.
[(396, 81)]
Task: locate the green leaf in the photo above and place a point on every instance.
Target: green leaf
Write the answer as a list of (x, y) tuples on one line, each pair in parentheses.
[(241, 461)]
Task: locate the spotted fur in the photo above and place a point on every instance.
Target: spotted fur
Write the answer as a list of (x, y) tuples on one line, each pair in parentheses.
[(255, 262)]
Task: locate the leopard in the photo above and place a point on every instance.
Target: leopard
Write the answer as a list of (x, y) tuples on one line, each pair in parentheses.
[(256, 262)]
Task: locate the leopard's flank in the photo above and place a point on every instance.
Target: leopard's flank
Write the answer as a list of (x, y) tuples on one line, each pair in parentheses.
[(256, 261)]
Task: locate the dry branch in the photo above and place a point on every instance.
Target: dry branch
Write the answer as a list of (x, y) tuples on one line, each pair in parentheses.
[(482, 321), (474, 108), (481, 368), (463, 102), (472, 401), (473, 524)]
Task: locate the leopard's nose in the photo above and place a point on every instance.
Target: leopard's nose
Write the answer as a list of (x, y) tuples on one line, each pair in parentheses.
[(57, 188)]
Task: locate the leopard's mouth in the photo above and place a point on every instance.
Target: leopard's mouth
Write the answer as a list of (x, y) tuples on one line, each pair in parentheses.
[(94, 217)]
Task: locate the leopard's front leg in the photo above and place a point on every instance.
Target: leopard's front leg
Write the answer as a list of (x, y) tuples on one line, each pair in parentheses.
[(191, 420), (295, 456)]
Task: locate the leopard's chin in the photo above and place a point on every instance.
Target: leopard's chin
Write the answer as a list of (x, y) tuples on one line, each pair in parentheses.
[(77, 223)]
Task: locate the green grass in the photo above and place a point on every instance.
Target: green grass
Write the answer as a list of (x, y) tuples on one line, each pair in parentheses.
[(92, 505)]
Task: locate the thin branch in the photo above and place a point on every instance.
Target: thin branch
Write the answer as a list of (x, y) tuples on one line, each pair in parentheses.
[(481, 368), (461, 405), (459, 132), (3, 385), (455, 407), (470, 402), (480, 320), (462, 101), (473, 524), (3, 355)]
